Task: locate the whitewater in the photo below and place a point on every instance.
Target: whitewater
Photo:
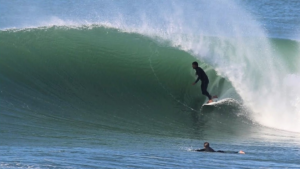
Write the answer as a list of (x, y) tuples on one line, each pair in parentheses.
[(108, 84)]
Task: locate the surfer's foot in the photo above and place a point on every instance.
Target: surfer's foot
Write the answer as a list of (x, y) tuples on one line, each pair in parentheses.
[(210, 101)]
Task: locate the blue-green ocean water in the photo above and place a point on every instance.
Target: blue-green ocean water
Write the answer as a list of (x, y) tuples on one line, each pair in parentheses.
[(107, 84)]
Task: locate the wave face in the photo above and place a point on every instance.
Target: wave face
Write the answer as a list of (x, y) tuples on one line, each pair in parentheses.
[(131, 65), (99, 77)]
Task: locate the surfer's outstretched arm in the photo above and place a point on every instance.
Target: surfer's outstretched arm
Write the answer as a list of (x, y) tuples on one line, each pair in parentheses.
[(200, 150), (220, 151), (232, 152)]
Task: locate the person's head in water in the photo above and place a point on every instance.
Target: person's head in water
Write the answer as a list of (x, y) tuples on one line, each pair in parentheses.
[(195, 65), (206, 144)]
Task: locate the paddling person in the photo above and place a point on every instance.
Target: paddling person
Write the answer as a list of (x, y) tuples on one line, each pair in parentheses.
[(204, 79), (207, 148)]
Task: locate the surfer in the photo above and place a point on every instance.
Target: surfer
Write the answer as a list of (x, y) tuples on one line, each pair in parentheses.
[(207, 148), (204, 79)]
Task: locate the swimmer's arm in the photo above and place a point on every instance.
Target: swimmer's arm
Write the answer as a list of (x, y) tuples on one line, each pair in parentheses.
[(232, 152), (200, 150)]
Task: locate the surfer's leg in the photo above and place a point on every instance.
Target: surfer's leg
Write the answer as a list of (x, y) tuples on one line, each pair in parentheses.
[(204, 90), (215, 97)]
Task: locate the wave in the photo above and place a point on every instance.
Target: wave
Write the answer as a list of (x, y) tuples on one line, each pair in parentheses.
[(100, 78), (107, 79)]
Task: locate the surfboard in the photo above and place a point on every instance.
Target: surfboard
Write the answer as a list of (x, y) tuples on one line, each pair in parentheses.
[(218, 102)]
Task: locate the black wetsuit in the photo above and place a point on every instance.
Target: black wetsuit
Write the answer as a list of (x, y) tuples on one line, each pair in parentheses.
[(209, 149), (203, 77)]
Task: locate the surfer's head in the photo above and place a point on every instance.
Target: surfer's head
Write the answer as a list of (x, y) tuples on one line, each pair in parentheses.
[(206, 144), (195, 65)]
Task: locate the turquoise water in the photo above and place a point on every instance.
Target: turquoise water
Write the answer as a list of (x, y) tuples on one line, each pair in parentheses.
[(107, 84)]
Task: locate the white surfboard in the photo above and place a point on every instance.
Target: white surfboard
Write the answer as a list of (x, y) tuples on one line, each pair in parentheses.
[(218, 102)]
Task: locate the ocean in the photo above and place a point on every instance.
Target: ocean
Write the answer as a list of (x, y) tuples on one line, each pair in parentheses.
[(108, 84)]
